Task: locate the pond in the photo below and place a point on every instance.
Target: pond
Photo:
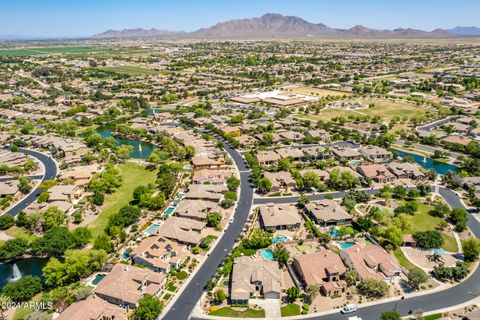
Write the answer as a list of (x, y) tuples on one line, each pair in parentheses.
[(30, 266), (141, 150), (427, 163)]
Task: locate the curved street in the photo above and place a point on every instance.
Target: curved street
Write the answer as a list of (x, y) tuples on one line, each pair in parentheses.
[(185, 303), (50, 173)]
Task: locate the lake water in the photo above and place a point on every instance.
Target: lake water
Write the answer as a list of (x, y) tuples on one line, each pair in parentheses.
[(438, 166), (31, 266), (141, 150)]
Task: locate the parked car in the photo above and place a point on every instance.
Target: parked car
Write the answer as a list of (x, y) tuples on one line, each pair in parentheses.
[(349, 308)]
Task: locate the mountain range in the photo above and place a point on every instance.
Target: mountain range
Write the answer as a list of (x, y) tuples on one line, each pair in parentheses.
[(272, 25)]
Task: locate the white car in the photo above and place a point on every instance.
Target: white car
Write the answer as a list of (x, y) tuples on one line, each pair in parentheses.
[(349, 308), (354, 318)]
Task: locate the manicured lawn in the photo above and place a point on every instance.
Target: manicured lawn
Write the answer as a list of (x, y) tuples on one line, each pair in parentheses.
[(303, 247), (171, 287), (133, 176), (167, 296), (181, 275), (433, 316), (404, 262), (319, 92), (20, 232), (21, 313), (422, 221), (38, 51), (131, 70), (384, 108), (291, 309), (247, 313)]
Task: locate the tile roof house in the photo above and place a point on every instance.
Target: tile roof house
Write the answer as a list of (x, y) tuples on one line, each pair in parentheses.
[(371, 262), (183, 230), (280, 179), (294, 153), (159, 254), (205, 192), (377, 172), (8, 188), (346, 153), (323, 268), (292, 136), (126, 285), (196, 209), (93, 308), (210, 176), (327, 213), (208, 162), (61, 193), (461, 140), (405, 170), (375, 153), (252, 277), (267, 158), (279, 216)]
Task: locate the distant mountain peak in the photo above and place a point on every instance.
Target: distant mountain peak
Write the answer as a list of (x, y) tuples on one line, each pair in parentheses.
[(275, 25)]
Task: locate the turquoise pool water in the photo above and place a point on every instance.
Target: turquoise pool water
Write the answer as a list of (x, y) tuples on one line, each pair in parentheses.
[(267, 254), (279, 239), (333, 232), (99, 277), (427, 163), (169, 211), (125, 255), (152, 228), (439, 251), (346, 245)]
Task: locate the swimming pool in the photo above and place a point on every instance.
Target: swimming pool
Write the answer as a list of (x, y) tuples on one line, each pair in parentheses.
[(152, 228), (346, 245), (180, 195), (267, 254), (168, 211), (279, 239), (333, 232), (125, 255), (99, 277)]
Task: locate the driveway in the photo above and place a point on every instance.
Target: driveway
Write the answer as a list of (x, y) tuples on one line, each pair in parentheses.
[(271, 307)]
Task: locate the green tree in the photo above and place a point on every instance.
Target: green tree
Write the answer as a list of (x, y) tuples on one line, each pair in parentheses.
[(55, 241), (428, 239), (103, 242), (6, 221), (264, 185), (391, 315), (372, 288), (214, 219), (24, 184), (416, 277), (293, 293), (471, 249), (23, 289), (312, 291), (281, 255), (13, 249), (233, 183), (351, 277), (82, 236), (53, 217), (459, 218), (149, 308), (219, 296)]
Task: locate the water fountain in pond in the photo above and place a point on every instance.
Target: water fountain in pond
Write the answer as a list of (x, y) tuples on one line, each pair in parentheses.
[(140, 148), (424, 160), (16, 275)]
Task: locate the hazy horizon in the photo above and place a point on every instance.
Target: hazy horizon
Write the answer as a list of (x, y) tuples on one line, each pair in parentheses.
[(55, 18)]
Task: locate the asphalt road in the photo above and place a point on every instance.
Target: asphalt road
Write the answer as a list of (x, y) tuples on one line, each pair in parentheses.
[(50, 173), (185, 303)]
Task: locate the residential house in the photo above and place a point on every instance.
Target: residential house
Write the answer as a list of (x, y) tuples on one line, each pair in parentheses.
[(328, 213), (126, 285), (183, 230), (346, 154), (210, 176), (324, 268), (196, 209), (279, 180), (205, 192), (93, 308), (267, 158), (279, 217), (375, 153), (294, 154), (159, 254), (254, 277), (292, 136), (405, 170), (371, 262), (457, 140), (377, 172), (209, 161)]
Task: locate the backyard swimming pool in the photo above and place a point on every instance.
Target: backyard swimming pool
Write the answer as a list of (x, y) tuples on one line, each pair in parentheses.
[(99, 277), (267, 254), (279, 239), (168, 211), (346, 245), (152, 228)]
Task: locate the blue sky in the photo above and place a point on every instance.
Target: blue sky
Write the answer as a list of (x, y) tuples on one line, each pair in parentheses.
[(52, 18)]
